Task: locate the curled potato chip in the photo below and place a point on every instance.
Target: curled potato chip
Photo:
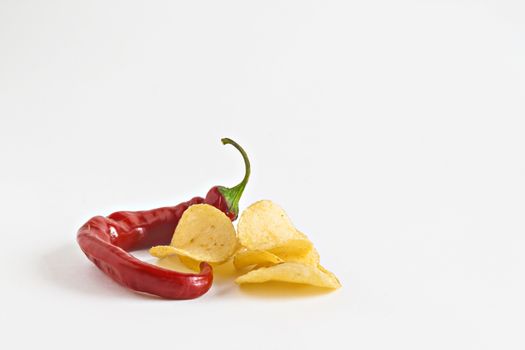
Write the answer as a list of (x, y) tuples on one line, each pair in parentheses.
[(204, 233), (194, 265), (310, 258), (293, 273), (264, 225), (190, 263), (293, 247), (246, 258), (162, 251), (331, 274), (173, 263)]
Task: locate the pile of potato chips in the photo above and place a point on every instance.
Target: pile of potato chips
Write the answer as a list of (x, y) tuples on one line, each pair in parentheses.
[(266, 247)]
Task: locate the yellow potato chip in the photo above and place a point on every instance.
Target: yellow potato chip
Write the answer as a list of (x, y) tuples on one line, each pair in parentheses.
[(264, 225), (173, 263), (204, 233), (293, 273), (246, 258), (162, 251), (190, 263), (293, 247), (310, 258), (194, 265), (331, 274)]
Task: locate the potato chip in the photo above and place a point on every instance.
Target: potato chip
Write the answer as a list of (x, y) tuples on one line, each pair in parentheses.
[(194, 265), (293, 248), (293, 273), (162, 251), (245, 258), (264, 225), (331, 274), (204, 233), (310, 258), (173, 263), (190, 263)]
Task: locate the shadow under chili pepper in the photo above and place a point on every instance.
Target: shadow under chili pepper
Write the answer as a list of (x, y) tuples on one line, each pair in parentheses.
[(66, 267)]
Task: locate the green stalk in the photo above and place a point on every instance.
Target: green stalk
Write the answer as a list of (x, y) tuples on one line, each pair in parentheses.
[(233, 195)]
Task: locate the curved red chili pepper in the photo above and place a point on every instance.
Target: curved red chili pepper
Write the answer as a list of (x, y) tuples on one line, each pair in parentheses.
[(106, 241)]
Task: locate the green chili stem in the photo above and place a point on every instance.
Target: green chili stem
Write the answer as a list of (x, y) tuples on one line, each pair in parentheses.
[(233, 195)]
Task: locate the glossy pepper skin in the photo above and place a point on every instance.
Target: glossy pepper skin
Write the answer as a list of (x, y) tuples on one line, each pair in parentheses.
[(107, 241)]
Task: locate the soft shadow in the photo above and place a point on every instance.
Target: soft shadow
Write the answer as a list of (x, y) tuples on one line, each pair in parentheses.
[(67, 267), (282, 290)]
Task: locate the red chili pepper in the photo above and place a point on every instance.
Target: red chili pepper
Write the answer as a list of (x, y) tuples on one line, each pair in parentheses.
[(106, 241)]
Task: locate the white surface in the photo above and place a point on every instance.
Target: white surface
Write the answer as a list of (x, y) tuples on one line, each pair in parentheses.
[(391, 131)]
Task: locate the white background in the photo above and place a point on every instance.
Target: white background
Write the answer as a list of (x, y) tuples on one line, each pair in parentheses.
[(391, 131)]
